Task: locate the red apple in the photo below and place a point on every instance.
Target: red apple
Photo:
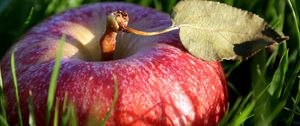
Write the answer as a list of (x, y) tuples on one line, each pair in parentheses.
[(159, 82)]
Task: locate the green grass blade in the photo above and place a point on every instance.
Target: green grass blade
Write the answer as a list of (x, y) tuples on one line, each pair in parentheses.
[(3, 121), (275, 112), (295, 20), (145, 2), (51, 7), (244, 103), (229, 113), (64, 118), (234, 89), (276, 85), (68, 116), (270, 61), (65, 102), (31, 110), (238, 120), (14, 76), (296, 68), (231, 67), (72, 114), (295, 106), (28, 19), (158, 5), (230, 2), (260, 76), (297, 99), (2, 102), (116, 95), (169, 5), (75, 3), (1, 83), (56, 112), (53, 80), (253, 4)]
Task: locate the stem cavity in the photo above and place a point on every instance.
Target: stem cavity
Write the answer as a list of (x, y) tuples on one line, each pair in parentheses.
[(118, 21)]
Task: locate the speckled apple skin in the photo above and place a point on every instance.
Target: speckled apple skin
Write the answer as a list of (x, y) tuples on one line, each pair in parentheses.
[(159, 82)]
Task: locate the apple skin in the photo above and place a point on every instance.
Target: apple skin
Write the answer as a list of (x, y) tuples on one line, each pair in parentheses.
[(159, 82)]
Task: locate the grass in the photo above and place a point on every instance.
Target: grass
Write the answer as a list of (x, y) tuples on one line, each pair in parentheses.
[(116, 95), (3, 118), (14, 76), (264, 90), (68, 115), (31, 120), (53, 80)]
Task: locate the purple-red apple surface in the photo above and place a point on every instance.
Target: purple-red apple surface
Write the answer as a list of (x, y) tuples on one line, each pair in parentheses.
[(159, 82)]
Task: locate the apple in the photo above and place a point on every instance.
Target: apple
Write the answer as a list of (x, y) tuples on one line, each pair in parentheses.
[(159, 82)]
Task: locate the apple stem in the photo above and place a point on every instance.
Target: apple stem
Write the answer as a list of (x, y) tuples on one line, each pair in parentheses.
[(137, 32), (108, 45), (118, 21), (107, 42)]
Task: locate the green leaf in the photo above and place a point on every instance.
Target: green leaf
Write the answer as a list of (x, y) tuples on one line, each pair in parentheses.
[(215, 31)]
